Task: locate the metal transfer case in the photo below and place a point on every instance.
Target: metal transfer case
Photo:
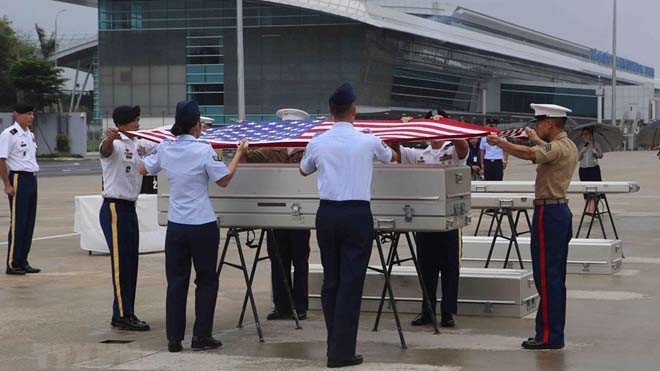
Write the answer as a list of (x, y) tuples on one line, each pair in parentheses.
[(525, 186), (481, 292), (404, 198), (585, 256)]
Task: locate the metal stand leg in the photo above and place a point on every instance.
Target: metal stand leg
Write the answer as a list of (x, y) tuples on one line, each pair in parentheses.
[(234, 233), (609, 212), (584, 213), (481, 215), (386, 271), (513, 239), (257, 259), (497, 216)]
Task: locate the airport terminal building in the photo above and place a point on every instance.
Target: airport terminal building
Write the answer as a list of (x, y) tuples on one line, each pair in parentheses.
[(406, 56)]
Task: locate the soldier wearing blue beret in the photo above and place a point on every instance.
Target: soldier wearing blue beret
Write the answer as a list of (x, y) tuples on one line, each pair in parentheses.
[(344, 158), (192, 236)]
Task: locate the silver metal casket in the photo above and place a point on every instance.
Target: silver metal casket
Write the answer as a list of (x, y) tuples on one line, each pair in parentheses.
[(404, 198)]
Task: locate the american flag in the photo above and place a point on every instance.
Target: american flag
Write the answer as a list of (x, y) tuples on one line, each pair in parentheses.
[(513, 133), (299, 133)]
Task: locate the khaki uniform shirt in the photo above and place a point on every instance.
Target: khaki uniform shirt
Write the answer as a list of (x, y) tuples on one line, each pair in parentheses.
[(557, 161)]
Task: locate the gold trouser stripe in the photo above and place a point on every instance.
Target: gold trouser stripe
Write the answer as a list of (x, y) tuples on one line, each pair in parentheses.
[(115, 256), (460, 246), (13, 220)]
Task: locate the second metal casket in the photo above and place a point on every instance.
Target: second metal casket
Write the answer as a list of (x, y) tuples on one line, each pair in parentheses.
[(404, 198)]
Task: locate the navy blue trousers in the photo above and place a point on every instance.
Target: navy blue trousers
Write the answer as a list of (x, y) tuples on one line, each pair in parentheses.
[(552, 229), (345, 232), (493, 169), (187, 245), (293, 246), (120, 228), (438, 254), (23, 206)]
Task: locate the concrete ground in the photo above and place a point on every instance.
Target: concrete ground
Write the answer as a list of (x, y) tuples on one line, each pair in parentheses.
[(57, 320)]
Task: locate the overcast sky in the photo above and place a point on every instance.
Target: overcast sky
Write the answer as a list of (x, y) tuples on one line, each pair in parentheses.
[(587, 22)]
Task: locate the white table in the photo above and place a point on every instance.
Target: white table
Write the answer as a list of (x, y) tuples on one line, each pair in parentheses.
[(86, 222)]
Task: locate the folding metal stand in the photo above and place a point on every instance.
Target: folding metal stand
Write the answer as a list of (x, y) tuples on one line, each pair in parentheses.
[(233, 233), (386, 270), (505, 210), (392, 259), (493, 215), (597, 198)]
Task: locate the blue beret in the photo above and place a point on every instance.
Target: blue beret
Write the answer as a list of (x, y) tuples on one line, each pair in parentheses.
[(343, 96), (187, 112), (125, 114)]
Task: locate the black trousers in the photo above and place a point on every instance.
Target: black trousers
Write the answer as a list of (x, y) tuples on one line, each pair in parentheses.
[(23, 207), (439, 254), (185, 245), (293, 246), (344, 230), (590, 174), (120, 227), (493, 169)]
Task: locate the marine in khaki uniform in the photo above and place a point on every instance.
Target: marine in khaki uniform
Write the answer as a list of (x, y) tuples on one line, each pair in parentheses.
[(556, 156), (293, 244)]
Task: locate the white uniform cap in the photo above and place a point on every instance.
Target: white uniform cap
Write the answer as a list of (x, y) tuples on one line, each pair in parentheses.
[(292, 114), (549, 110), (206, 120)]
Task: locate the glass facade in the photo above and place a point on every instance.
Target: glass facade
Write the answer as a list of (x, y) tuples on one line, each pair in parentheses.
[(157, 52), (517, 98)]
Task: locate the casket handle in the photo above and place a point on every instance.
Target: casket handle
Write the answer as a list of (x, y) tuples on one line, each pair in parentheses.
[(388, 223)]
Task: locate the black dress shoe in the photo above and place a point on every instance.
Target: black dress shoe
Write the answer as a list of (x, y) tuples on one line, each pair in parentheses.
[(421, 320), (15, 271), (174, 346), (277, 315), (204, 343), (130, 323), (447, 321), (354, 361), (534, 344), (29, 269), (133, 317)]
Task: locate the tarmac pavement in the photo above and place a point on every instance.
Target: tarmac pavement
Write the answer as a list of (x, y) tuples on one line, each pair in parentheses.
[(59, 319)]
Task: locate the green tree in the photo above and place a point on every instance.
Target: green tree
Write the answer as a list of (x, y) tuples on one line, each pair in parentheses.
[(48, 45), (37, 81), (12, 48)]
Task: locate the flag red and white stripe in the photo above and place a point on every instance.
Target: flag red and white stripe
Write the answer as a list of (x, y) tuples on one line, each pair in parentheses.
[(287, 134)]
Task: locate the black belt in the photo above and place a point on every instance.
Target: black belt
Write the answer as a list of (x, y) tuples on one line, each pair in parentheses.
[(550, 201), (30, 173), (494, 160), (118, 201), (349, 203)]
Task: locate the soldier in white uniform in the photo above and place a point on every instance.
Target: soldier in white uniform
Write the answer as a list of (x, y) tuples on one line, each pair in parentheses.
[(121, 157), (18, 171), (438, 252)]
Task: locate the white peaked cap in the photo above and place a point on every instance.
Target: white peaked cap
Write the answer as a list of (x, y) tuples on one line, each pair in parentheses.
[(549, 110), (292, 114), (206, 120)]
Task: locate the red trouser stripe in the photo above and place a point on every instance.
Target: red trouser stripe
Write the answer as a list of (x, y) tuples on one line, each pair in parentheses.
[(544, 286)]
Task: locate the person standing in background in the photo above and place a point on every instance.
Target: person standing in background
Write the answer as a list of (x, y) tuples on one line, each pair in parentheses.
[(493, 159)]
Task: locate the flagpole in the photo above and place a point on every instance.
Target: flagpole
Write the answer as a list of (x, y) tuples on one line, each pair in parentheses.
[(614, 64), (240, 60)]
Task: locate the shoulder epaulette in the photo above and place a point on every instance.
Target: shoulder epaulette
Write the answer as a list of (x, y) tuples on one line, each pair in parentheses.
[(13, 131)]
